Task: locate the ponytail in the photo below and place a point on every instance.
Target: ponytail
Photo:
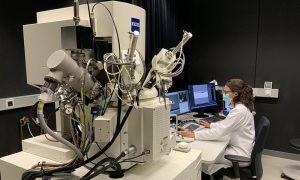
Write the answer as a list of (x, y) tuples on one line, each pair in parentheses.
[(247, 98)]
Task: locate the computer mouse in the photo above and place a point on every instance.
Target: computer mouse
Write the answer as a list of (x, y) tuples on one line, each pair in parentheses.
[(183, 145)]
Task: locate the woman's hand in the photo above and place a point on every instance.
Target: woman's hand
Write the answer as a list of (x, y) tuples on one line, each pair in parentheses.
[(185, 133), (181, 128), (204, 123)]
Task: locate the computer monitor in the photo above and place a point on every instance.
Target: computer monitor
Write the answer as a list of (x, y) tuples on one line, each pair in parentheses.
[(201, 97), (180, 102), (226, 108)]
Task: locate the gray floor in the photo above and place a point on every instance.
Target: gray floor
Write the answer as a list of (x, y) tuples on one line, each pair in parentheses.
[(272, 167)]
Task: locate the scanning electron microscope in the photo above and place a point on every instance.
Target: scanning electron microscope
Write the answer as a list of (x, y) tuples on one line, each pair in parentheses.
[(111, 113)]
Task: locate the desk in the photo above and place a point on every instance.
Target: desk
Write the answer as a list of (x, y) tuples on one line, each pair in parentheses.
[(210, 149), (190, 115), (175, 166)]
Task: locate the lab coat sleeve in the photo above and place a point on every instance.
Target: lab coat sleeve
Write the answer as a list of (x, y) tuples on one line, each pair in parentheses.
[(222, 128)]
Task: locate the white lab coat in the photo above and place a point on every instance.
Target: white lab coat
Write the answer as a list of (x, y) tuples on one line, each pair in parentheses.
[(239, 125)]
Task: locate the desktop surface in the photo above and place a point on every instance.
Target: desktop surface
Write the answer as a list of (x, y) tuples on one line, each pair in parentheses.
[(210, 149)]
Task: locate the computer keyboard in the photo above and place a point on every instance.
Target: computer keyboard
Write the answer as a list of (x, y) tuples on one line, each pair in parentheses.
[(192, 126), (211, 119), (186, 121), (222, 117)]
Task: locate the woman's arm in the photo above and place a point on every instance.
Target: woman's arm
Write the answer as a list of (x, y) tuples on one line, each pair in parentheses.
[(222, 128)]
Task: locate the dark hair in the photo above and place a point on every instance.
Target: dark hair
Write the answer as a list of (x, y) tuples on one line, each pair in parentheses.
[(245, 93)]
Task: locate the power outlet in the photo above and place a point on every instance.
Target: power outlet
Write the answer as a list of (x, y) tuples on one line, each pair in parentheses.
[(10, 103)]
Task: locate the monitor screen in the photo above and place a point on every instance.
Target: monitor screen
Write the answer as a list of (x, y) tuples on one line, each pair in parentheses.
[(226, 108), (184, 105), (202, 96), (174, 97), (180, 103)]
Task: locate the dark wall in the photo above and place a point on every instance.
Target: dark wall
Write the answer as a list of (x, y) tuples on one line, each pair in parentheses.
[(279, 61), (13, 72), (10, 129), (12, 69), (224, 41), (253, 40)]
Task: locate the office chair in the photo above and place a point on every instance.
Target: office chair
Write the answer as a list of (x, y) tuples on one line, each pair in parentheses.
[(255, 170), (292, 171)]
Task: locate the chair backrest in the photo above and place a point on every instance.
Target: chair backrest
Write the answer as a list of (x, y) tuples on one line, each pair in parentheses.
[(261, 132)]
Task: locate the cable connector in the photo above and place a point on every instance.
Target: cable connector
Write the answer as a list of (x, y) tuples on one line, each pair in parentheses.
[(24, 120), (96, 110), (147, 152), (131, 150)]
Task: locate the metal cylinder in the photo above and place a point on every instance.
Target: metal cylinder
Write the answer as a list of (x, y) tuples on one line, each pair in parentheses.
[(93, 23), (61, 61), (76, 17), (133, 42)]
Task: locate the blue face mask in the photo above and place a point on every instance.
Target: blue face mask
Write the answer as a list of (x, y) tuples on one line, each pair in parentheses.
[(226, 98)]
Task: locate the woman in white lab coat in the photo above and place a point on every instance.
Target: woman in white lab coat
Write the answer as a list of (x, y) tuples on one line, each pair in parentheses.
[(239, 125)]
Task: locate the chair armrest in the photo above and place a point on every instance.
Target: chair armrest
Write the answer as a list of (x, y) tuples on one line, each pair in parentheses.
[(235, 163), (235, 158)]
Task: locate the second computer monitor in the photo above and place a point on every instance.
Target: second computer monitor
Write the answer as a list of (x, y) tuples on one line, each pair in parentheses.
[(180, 103), (202, 96)]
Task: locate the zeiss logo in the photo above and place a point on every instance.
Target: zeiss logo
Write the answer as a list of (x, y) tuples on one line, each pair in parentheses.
[(135, 24)]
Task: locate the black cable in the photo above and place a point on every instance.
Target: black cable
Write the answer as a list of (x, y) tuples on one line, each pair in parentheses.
[(113, 163), (117, 125), (134, 157), (105, 96), (97, 165), (101, 149), (111, 94), (113, 24), (119, 108), (31, 109), (147, 70), (52, 113), (92, 26), (98, 172), (133, 161), (91, 161), (31, 175), (88, 6)]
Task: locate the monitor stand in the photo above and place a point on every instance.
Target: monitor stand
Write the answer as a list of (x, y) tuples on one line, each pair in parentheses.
[(200, 114)]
